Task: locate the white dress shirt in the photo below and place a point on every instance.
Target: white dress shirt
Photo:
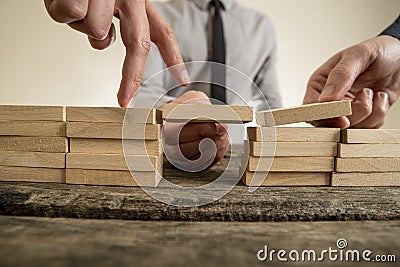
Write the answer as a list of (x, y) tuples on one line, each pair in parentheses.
[(250, 48)]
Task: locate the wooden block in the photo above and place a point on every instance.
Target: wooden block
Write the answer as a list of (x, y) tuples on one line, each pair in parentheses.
[(113, 162), (114, 146), (113, 130), (36, 175), (289, 164), (371, 136), (293, 149), (32, 113), (304, 113), (33, 128), (207, 113), (34, 144), (293, 134), (366, 179), (113, 114), (369, 150), (32, 159), (287, 178), (112, 178), (367, 165)]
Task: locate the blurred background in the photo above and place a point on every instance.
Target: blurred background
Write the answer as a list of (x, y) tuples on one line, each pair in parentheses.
[(43, 62)]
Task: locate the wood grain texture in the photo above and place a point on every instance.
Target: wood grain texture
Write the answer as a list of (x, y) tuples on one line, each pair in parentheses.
[(367, 165), (32, 159), (288, 178), (114, 114), (371, 136), (293, 134), (32, 113), (366, 179), (289, 164), (63, 242), (36, 175), (369, 150), (292, 149), (34, 144), (304, 113), (33, 128), (113, 162), (112, 178), (113, 130), (207, 113), (115, 146)]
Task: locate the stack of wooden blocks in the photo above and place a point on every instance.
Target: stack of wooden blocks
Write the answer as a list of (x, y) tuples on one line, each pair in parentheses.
[(292, 155), (98, 142), (368, 158), (33, 143)]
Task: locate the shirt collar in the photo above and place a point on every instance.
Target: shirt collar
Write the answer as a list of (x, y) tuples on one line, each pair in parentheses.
[(203, 4)]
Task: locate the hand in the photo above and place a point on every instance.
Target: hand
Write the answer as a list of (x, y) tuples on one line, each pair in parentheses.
[(185, 139), (368, 74), (141, 24)]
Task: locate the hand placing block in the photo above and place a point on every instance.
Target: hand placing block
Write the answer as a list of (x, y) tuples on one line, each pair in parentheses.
[(304, 113), (207, 113)]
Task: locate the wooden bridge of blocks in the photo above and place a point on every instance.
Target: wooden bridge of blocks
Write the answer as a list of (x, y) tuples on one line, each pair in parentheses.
[(91, 146)]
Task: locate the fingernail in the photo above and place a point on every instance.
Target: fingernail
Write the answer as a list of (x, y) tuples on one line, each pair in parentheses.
[(185, 77), (328, 93)]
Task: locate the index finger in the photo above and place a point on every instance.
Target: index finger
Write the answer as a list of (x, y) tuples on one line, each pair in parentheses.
[(163, 36), (135, 35)]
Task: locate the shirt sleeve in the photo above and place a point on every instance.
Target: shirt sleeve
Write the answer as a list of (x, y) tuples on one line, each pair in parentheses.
[(393, 30), (152, 93)]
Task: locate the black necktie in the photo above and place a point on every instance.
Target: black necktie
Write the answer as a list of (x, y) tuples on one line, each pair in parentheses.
[(218, 55)]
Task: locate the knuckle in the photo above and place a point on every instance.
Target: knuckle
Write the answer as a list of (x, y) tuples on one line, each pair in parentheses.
[(75, 11), (145, 44)]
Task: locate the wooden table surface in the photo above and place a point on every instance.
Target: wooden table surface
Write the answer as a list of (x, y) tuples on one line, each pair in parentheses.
[(29, 241), (228, 231)]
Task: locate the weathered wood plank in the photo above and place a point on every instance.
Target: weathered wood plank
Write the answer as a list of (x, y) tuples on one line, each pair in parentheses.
[(70, 242)]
